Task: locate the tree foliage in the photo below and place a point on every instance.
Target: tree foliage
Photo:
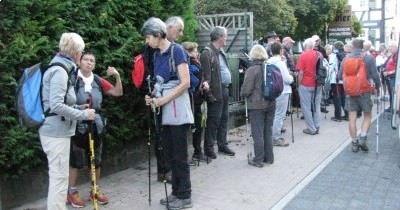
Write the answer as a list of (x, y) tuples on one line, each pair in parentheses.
[(29, 33), (268, 14), (298, 18)]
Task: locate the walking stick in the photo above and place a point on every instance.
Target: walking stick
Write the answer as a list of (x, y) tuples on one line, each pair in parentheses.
[(160, 148), (249, 149), (92, 159), (149, 141), (291, 114), (377, 129)]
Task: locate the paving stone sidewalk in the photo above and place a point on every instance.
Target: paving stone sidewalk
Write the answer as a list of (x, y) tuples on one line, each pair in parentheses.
[(229, 183), (358, 180)]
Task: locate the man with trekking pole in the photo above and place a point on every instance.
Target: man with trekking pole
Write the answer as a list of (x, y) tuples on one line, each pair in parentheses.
[(360, 78)]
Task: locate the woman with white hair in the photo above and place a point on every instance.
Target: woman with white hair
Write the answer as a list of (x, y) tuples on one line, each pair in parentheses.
[(261, 111), (172, 73), (59, 100)]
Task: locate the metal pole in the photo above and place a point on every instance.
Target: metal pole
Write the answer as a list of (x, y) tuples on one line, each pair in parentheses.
[(382, 29)]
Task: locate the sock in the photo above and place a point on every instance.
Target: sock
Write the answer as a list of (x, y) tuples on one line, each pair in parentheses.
[(354, 140), (363, 134), (72, 190), (363, 138)]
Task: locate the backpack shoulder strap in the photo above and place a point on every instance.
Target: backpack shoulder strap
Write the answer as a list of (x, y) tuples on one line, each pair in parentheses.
[(70, 73), (97, 79), (172, 65)]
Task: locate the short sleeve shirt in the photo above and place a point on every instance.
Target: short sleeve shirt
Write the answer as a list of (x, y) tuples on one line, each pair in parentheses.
[(307, 63), (161, 62)]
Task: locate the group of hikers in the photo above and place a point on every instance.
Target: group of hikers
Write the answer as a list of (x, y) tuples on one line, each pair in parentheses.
[(188, 93)]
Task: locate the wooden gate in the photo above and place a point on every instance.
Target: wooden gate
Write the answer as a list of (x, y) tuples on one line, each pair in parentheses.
[(240, 36), (239, 25)]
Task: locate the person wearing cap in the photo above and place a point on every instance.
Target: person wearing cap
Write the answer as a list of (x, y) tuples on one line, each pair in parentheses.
[(318, 46), (270, 38), (287, 43)]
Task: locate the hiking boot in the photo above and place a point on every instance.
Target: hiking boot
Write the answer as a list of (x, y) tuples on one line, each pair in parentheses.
[(100, 197), (280, 142), (256, 163), (180, 204), (200, 157), (225, 150), (74, 199), (388, 109), (171, 198), (268, 161), (363, 144), (211, 154), (283, 130), (355, 146), (309, 132)]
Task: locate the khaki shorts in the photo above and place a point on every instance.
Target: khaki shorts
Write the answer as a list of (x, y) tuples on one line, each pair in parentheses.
[(359, 103)]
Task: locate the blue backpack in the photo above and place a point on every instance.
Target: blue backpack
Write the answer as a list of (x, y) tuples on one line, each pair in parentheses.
[(29, 103), (272, 85)]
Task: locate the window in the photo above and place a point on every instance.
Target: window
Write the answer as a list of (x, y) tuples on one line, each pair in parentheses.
[(372, 4)]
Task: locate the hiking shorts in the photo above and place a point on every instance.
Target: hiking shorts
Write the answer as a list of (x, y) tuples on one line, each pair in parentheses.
[(359, 103), (80, 150)]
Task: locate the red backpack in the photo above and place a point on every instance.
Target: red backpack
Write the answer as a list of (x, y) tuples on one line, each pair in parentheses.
[(137, 73), (355, 77)]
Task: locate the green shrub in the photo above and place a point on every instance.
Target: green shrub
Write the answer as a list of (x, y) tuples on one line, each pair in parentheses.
[(29, 33)]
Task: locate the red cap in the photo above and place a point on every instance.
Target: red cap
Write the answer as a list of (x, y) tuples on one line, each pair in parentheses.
[(288, 39)]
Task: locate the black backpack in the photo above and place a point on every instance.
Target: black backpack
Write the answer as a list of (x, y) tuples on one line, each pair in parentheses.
[(321, 71)]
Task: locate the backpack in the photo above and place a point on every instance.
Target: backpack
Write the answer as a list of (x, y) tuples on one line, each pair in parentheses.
[(194, 81), (138, 71), (321, 71), (272, 85), (355, 78), (29, 104), (76, 82)]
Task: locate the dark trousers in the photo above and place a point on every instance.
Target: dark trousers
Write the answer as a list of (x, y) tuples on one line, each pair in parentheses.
[(197, 128), (339, 98), (217, 122), (390, 82), (175, 139), (160, 149), (261, 128)]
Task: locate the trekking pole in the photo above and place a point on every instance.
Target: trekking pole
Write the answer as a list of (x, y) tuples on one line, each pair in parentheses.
[(249, 149), (160, 148), (92, 159), (149, 141), (291, 114), (377, 129)]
